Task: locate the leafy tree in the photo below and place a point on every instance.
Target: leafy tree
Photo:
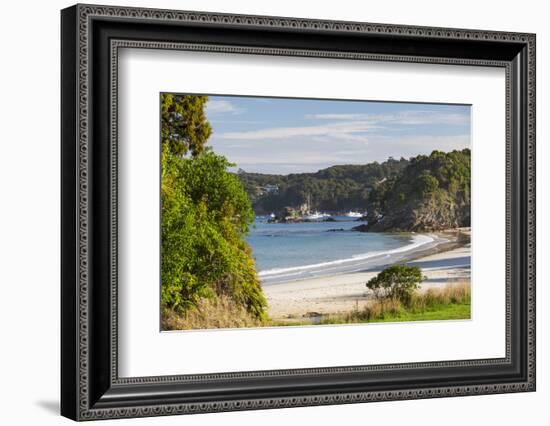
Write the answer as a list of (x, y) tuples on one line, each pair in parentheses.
[(396, 282), (184, 128), (206, 214), (426, 184)]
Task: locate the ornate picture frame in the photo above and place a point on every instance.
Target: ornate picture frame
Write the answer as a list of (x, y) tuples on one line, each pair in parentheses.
[(91, 39)]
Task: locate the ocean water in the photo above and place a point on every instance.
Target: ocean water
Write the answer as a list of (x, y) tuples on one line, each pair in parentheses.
[(289, 252)]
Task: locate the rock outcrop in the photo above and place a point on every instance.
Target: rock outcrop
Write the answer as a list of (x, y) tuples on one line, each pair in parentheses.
[(424, 215), (432, 194)]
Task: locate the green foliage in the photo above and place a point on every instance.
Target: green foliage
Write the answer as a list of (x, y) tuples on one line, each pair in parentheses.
[(426, 184), (184, 128), (205, 215), (396, 282), (425, 176)]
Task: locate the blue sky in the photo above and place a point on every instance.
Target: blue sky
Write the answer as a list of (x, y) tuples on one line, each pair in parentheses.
[(284, 135)]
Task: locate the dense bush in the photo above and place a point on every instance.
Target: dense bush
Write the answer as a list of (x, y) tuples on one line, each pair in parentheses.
[(396, 282), (205, 215), (425, 175)]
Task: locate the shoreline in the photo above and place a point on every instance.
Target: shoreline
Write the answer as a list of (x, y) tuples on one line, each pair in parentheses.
[(420, 244), (446, 261)]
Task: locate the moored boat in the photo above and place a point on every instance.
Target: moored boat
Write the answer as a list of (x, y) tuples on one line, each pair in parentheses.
[(316, 216), (354, 214)]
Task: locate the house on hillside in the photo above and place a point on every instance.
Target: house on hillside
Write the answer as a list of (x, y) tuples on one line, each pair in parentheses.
[(271, 189), (267, 189)]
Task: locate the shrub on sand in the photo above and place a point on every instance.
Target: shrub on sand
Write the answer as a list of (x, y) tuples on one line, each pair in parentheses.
[(396, 282)]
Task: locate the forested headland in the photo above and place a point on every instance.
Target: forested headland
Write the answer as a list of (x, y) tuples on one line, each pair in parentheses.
[(426, 192), (432, 193)]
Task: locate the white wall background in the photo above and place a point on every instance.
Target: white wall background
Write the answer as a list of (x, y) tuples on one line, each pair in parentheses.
[(29, 211)]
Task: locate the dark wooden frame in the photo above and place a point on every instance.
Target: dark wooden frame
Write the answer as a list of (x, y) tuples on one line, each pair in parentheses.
[(90, 386)]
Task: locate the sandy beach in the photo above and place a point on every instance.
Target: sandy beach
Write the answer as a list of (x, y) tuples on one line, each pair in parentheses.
[(447, 262)]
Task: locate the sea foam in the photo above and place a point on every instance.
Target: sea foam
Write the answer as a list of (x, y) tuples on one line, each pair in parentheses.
[(417, 241)]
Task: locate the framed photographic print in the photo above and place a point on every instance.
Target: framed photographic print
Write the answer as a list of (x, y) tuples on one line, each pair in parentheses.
[(263, 212)]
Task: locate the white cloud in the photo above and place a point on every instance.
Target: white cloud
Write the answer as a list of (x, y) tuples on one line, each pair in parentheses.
[(221, 106), (403, 118), (353, 127), (335, 130), (410, 146), (339, 116)]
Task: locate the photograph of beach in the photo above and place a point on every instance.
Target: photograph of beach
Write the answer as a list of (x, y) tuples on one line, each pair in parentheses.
[(282, 212)]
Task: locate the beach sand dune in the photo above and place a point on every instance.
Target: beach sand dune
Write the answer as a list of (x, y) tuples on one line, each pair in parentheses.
[(346, 292)]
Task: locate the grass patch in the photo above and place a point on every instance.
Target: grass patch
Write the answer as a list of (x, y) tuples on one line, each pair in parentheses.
[(217, 312), (451, 302), (452, 311)]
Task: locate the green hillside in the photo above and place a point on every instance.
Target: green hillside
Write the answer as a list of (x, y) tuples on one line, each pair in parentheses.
[(422, 193), (335, 189)]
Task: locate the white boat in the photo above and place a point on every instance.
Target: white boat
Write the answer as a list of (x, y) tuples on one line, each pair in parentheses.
[(272, 216), (316, 216), (354, 214)]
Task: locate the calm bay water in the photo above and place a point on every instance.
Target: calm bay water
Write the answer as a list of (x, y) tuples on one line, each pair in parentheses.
[(287, 252)]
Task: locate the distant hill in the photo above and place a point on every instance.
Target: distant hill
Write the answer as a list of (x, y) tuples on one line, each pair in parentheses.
[(431, 193), (335, 189), (420, 194)]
